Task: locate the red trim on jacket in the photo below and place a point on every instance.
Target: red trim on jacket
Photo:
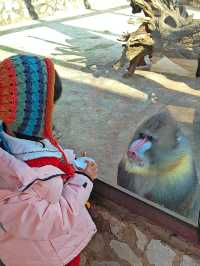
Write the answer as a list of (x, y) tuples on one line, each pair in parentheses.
[(75, 261), (67, 168)]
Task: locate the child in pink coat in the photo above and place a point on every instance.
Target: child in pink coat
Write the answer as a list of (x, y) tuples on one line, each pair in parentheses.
[(43, 219)]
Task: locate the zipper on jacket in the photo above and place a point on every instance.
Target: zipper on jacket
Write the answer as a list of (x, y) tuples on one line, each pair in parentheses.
[(2, 227)]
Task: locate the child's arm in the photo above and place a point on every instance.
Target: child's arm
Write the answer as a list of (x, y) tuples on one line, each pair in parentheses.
[(38, 213), (77, 190)]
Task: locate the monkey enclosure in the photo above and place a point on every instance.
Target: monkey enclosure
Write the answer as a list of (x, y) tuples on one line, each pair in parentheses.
[(147, 161)]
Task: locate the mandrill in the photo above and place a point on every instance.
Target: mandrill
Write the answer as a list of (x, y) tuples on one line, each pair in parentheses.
[(159, 165)]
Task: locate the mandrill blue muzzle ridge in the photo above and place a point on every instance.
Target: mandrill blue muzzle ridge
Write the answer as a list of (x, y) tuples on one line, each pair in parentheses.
[(138, 148)]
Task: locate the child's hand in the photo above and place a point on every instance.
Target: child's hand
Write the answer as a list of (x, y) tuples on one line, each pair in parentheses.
[(90, 170)]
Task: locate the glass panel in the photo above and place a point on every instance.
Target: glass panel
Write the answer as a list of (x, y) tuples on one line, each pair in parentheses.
[(143, 128)]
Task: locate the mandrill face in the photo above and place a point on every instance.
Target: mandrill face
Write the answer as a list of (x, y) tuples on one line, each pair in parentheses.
[(156, 136), (158, 164)]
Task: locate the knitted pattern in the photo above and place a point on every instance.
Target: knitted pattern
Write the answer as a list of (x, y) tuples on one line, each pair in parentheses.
[(25, 84), (8, 92), (27, 97)]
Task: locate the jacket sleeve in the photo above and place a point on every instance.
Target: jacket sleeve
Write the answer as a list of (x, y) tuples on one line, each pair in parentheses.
[(38, 213), (14, 173), (77, 191)]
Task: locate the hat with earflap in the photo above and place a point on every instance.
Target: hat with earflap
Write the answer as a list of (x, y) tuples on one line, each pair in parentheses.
[(27, 96)]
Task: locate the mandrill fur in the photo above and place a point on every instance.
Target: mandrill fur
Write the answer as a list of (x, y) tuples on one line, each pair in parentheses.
[(159, 166)]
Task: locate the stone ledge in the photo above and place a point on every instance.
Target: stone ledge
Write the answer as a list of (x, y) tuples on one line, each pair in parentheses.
[(128, 240)]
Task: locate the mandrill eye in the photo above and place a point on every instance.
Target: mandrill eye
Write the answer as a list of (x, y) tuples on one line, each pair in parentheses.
[(141, 135), (150, 138)]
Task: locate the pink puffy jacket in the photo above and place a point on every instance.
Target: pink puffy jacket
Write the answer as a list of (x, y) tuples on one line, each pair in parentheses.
[(47, 224)]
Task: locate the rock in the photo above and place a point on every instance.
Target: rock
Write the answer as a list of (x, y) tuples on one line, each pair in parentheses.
[(188, 261), (93, 67), (83, 260), (117, 229), (165, 65), (124, 252), (105, 263), (123, 232), (98, 244), (142, 240), (159, 254)]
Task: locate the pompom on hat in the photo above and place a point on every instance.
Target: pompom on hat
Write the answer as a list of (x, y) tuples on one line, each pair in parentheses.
[(27, 96)]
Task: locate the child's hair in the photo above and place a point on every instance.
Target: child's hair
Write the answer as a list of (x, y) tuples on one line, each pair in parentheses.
[(57, 87)]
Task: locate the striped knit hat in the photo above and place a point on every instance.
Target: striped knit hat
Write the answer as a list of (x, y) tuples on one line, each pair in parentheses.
[(26, 95), (27, 99)]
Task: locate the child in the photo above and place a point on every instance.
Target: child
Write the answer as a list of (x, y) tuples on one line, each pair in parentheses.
[(43, 219)]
